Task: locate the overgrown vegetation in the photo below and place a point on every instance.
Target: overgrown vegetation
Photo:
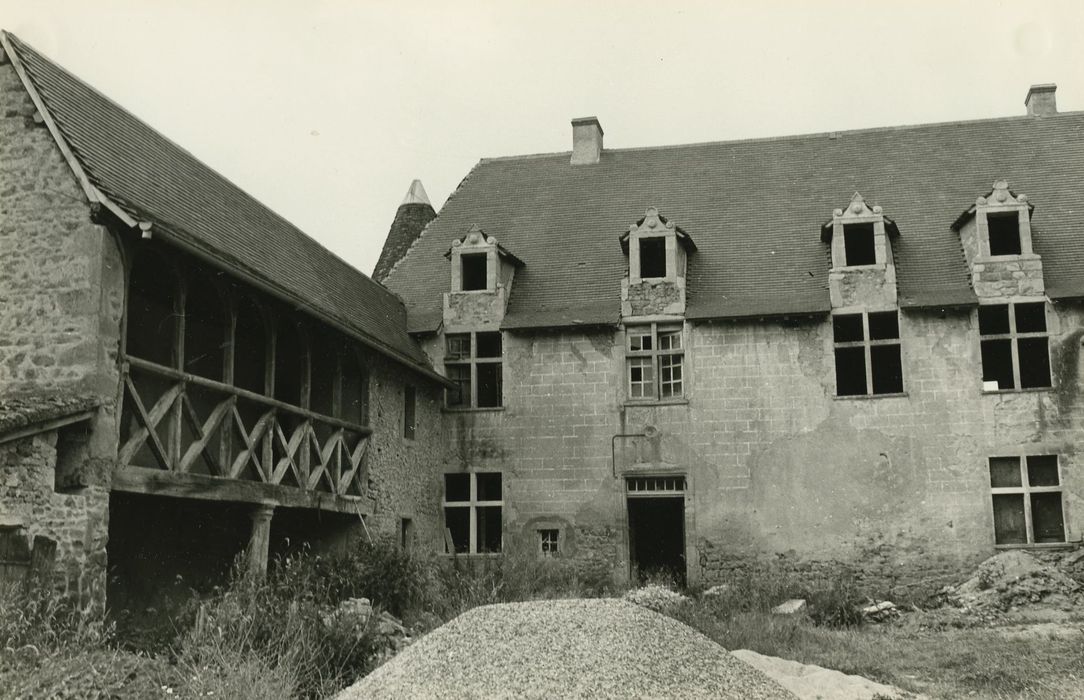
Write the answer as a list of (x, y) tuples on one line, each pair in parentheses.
[(281, 637)]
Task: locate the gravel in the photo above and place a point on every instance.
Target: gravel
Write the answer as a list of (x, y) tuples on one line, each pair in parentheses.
[(602, 648)]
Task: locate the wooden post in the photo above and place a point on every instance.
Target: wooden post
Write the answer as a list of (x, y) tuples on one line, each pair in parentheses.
[(259, 542)]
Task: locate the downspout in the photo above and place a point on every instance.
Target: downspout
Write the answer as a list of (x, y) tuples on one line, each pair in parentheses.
[(649, 432)]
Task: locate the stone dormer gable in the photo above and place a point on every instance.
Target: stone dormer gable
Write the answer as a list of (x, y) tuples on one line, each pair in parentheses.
[(997, 239), (858, 235), (863, 270), (482, 272), (658, 251)]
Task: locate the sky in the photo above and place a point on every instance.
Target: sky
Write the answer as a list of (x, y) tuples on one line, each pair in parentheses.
[(326, 110)]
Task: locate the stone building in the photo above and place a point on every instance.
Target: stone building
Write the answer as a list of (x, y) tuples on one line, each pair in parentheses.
[(183, 374), (856, 350), (850, 351)]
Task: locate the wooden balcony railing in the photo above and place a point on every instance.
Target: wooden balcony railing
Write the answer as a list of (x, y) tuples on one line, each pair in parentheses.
[(187, 424)]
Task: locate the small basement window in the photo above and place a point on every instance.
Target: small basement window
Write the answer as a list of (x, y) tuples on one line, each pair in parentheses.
[(652, 257), (474, 271), (1027, 500), (858, 245), (1004, 230), (1014, 346), (549, 541), (473, 505)]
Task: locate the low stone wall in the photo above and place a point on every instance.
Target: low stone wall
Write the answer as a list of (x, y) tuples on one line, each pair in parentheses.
[(76, 520)]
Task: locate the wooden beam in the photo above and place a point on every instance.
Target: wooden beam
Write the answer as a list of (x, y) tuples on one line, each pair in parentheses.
[(159, 482), (46, 426)]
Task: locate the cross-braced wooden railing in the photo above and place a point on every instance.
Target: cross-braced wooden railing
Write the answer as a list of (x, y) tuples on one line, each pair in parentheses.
[(188, 424)]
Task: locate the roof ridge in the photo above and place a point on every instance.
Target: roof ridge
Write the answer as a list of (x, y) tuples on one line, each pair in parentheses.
[(795, 137)]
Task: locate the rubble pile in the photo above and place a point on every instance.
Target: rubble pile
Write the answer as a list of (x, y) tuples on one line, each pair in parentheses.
[(655, 597), (882, 611), (355, 616), (1015, 579)]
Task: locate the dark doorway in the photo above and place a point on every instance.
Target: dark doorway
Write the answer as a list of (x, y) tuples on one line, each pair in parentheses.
[(657, 538)]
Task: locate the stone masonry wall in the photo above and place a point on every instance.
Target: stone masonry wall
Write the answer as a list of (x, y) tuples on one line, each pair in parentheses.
[(77, 521), (405, 477), (61, 292), (780, 472)]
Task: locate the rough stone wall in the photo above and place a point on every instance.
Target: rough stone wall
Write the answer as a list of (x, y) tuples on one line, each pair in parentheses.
[(995, 278), (870, 287), (61, 295), (54, 286), (894, 489), (405, 477), (77, 521)]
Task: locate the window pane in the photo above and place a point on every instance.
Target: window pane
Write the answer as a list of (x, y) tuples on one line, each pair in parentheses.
[(1034, 363), (670, 372), (850, 372), (641, 378), (670, 340), (489, 529), (887, 369), (457, 520), (1043, 470), (474, 271), (460, 376), (994, 319), (456, 487), (884, 325), (858, 244), (489, 384), (997, 363), (458, 346), (1004, 233), (1047, 522), (652, 257), (847, 328), (489, 345), (1009, 527), (639, 340), (489, 486), (1030, 318), (1004, 472)]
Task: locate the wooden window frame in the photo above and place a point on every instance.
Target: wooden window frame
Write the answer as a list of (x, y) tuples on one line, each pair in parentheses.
[(867, 345), (1025, 490), (655, 354), (473, 504), (549, 542), (1013, 336), (473, 361)]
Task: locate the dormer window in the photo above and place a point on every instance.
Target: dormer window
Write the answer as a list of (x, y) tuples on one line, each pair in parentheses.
[(474, 272), (652, 257), (858, 235), (858, 243), (1004, 231)]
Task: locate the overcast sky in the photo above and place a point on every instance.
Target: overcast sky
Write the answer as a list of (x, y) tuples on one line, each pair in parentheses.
[(325, 111)]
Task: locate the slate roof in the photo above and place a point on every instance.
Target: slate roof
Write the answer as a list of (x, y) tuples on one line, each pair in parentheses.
[(755, 209), (410, 220), (153, 179), (19, 412)]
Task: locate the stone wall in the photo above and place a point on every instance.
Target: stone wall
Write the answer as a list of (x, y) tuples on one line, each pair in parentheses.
[(779, 469), (76, 520), (61, 291)]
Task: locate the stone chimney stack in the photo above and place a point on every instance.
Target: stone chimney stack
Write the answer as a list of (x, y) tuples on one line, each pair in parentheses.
[(413, 215), (586, 141), (1040, 100)]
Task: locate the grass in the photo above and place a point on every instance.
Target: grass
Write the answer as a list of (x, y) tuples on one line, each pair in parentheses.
[(978, 662), (275, 639)]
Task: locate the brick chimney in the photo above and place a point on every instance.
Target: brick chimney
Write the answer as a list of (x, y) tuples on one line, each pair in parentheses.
[(1040, 100), (586, 141)]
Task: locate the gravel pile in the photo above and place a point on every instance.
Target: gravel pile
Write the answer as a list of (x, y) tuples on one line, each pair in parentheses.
[(565, 649)]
